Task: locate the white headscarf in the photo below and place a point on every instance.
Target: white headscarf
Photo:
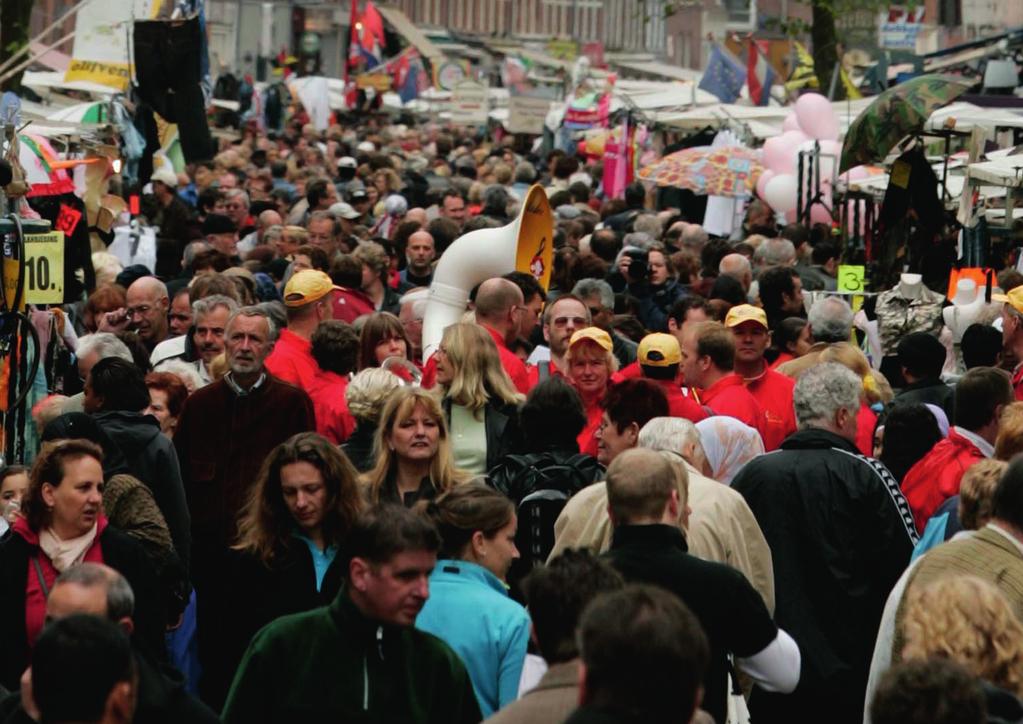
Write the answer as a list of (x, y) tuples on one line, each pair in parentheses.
[(728, 445)]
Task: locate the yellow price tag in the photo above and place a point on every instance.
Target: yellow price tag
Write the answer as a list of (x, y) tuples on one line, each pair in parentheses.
[(900, 174), (850, 278), (44, 268)]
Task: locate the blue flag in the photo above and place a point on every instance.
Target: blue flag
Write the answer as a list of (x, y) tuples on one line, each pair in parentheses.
[(725, 75)]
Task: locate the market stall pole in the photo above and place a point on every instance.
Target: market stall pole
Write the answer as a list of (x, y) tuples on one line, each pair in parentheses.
[(19, 343)]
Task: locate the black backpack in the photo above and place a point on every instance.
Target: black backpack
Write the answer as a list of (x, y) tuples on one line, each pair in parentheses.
[(540, 485)]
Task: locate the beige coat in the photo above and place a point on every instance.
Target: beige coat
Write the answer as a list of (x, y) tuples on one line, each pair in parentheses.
[(554, 699), (721, 528)]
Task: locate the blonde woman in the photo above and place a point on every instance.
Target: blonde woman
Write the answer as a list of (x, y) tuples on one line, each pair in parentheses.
[(290, 239), (480, 402), (413, 451), (969, 621), (366, 396), (591, 362), (876, 390)]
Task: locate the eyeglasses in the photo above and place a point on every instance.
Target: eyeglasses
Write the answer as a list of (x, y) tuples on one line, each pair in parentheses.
[(594, 311), (562, 322), (141, 311)]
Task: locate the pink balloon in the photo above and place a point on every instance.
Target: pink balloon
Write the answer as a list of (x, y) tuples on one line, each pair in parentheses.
[(819, 213), (791, 123), (816, 117), (780, 192), (766, 176), (780, 151)]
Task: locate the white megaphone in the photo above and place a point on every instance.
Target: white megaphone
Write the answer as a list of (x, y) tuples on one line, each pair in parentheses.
[(526, 245)]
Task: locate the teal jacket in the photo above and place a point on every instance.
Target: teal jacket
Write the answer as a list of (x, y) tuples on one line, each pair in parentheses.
[(333, 664), (470, 610)]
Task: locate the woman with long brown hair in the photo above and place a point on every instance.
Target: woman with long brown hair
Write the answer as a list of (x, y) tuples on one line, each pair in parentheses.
[(290, 536)]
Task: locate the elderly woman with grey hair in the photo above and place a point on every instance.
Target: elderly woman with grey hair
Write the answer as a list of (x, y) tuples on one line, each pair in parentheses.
[(366, 396), (841, 534)]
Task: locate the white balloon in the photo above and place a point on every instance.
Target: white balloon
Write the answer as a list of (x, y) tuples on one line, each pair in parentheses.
[(780, 192)]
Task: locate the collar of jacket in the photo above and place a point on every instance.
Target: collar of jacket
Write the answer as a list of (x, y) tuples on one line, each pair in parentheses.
[(450, 569), (560, 676), (659, 535), (240, 391), (815, 438), (355, 624)]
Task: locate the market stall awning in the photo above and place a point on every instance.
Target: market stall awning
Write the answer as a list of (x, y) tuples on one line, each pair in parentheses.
[(405, 28), (969, 116), (661, 70), (1005, 171)]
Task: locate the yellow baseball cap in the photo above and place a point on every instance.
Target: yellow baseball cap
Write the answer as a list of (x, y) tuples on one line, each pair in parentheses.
[(307, 286), (659, 350), (745, 313), (594, 334), (1014, 298)]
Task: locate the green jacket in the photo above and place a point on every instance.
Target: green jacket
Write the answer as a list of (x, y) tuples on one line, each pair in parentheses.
[(332, 664)]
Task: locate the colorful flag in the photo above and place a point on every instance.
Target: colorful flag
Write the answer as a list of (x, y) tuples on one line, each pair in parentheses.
[(371, 35), (724, 76), (803, 74), (759, 74), (409, 75), (851, 91)]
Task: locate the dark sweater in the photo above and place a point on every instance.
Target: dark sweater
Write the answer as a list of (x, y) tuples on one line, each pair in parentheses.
[(222, 440), (333, 664)]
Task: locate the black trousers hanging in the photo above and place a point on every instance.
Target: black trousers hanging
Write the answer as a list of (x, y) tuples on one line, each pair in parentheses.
[(168, 71)]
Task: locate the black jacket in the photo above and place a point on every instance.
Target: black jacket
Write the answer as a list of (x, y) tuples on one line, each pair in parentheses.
[(656, 302), (161, 699), (359, 446), (927, 392), (122, 553), (152, 459), (732, 613), (261, 593), (840, 534), (504, 436)]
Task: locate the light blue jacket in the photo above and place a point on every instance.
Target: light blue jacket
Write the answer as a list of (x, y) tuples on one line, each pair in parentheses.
[(470, 610)]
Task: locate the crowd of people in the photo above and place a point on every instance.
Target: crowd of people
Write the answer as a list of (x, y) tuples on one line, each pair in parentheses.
[(669, 486)]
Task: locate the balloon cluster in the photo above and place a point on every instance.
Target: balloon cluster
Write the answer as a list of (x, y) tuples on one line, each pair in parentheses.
[(812, 122)]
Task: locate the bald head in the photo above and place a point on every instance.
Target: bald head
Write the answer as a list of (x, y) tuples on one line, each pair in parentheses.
[(640, 485), (417, 214), (738, 267), (147, 306), (269, 218), (498, 303)]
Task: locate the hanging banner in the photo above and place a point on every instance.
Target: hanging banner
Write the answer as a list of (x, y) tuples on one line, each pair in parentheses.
[(469, 104), (102, 34), (527, 114)]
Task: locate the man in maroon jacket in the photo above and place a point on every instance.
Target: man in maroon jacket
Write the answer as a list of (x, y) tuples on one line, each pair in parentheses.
[(225, 431)]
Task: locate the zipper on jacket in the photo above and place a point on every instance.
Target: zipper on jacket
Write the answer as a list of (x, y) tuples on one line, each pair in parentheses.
[(365, 668)]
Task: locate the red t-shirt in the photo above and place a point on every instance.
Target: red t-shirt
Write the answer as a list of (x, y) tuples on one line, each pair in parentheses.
[(333, 420), (292, 360), (1017, 382), (782, 359), (866, 421), (773, 392), (534, 372), (628, 372), (681, 404), (729, 396), (588, 437), (515, 367), (350, 304)]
